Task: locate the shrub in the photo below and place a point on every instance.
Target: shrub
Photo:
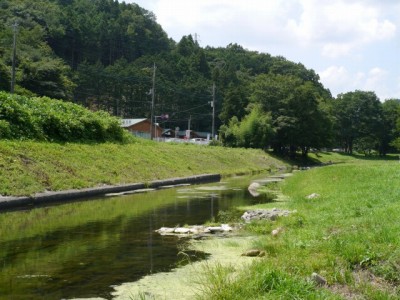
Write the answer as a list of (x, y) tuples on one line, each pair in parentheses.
[(42, 118)]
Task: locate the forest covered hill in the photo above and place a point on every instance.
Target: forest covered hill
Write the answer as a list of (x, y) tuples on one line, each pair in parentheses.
[(104, 55)]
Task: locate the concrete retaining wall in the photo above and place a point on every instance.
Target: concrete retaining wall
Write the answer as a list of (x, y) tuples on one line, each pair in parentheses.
[(85, 194)]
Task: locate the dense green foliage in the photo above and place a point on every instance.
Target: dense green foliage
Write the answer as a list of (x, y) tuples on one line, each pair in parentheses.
[(45, 119), (101, 53), (359, 120), (296, 106), (254, 131)]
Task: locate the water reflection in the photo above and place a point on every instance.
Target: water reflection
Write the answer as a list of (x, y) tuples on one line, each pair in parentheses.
[(82, 249)]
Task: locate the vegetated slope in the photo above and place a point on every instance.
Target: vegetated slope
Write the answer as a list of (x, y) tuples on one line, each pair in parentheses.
[(54, 145), (28, 167), (347, 233)]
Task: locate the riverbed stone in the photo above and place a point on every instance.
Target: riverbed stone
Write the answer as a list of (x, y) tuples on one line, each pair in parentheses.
[(197, 230), (166, 230), (226, 227), (253, 189), (276, 231), (182, 230), (313, 196), (318, 279), (215, 229), (264, 214), (254, 253)]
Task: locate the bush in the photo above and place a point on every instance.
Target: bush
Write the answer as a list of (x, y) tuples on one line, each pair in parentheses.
[(254, 131), (5, 131), (46, 119)]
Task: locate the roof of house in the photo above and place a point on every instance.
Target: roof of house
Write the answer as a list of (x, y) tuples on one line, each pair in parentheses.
[(130, 122)]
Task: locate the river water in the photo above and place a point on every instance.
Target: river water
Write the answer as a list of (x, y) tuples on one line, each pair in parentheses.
[(83, 249)]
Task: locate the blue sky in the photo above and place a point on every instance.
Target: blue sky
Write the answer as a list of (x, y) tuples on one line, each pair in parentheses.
[(351, 44)]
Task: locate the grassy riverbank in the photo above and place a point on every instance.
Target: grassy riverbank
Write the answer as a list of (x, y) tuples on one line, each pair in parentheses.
[(348, 234), (31, 167)]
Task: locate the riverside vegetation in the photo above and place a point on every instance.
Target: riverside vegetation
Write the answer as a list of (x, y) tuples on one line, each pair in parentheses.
[(348, 234), (103, 54), (51, 145)]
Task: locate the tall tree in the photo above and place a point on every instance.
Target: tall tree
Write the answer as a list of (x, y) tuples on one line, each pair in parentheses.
[(390, 129), (254, 131), (38, 70), (298, 118), (358, 120)]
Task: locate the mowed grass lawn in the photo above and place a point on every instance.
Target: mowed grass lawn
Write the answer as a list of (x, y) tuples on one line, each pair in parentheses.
[(349, 234)]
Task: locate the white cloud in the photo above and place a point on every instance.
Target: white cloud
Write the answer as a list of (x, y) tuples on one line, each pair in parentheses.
[(375, 78), (342, 80), (333, 50), (335, 76), (336, 27), (340, 27), (220, 21)]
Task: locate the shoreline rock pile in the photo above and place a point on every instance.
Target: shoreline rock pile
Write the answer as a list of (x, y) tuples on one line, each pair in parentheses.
[(265, 214), (195, 230)]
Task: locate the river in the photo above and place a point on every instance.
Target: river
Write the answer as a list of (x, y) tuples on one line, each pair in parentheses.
[(83, 249)]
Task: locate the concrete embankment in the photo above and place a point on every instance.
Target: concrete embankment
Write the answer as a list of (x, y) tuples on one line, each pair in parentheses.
[(87, 193)]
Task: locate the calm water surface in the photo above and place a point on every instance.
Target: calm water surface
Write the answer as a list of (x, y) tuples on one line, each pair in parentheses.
[(82, 249)]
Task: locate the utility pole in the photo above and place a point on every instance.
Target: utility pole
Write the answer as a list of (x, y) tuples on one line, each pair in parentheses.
[(153, 94), (15, 26), (213, 111), (196, 38), (188, 135)]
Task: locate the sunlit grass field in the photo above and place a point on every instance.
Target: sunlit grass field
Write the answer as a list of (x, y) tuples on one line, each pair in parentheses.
[(31, 167), (348, 234)]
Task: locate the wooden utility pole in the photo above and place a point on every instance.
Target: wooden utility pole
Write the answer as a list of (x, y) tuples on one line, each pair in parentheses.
[(213, 112), (15, 26)]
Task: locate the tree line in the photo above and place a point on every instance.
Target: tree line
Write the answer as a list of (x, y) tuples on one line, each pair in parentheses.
[(100, 54)]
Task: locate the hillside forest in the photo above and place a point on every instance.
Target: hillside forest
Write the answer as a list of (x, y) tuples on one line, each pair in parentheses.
[(107, 56)]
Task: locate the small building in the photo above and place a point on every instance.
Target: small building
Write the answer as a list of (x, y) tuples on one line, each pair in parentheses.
[(141, 128)]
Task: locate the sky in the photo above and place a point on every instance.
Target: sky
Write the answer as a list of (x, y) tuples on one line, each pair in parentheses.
[(351, 44)]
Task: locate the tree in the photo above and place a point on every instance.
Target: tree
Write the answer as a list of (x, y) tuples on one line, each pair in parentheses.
[(358, 118), (389, 132), (38, 70), (235, 102), (254, 131), (98, 53), (298, 118)]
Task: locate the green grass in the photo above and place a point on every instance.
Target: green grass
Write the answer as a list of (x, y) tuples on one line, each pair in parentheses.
[(349, 235), (30, 167), (259, 281)]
